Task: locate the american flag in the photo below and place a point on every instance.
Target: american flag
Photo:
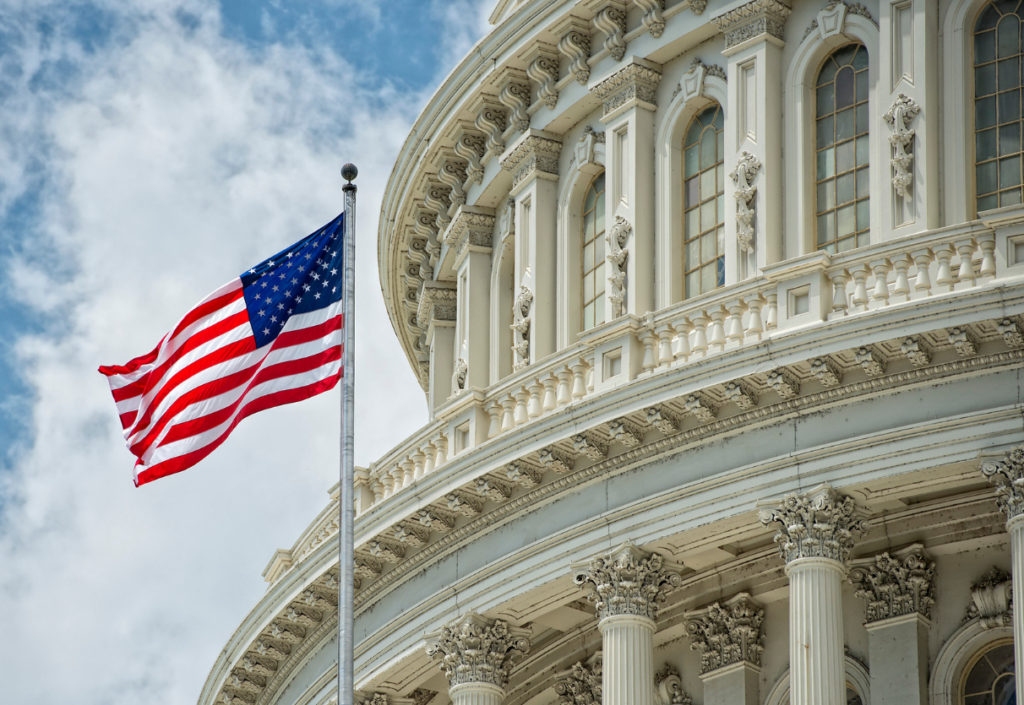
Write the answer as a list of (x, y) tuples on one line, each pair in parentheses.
[(269, 337)]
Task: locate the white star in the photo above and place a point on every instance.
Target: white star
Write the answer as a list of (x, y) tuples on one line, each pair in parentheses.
[(309, 255), (333, 272), (334, 290), (263, 284), (305, 287), (326, 282), (298, 299), (316, 276), (280, 307), (290, 310), (317, 295), (289, 255), (282, 275), (256, 298), (334, 253), (252, 271), (273, 319), (302, 268), (276, 288), (262, 312), (270, 263), (266, 331), (324, 265), (294, 280)]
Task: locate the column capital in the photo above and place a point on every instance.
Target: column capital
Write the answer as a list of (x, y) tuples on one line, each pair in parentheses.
[(632, 85), (991, 600), (436, 303), (581, 685), (1007, 474), (819, 523), (536, 153), (727, 633), (895, 585), (473, 649), (472, 228), (669, 687), (627, 581), (756, 20)]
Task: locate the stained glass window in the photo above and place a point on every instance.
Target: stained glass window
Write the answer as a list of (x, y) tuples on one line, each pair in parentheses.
[(841, 127), (593, 254), (704, 203), (990, 681), (997, 114)]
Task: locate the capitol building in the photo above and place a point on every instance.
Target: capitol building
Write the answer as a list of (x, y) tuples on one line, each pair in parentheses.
[(717, 307)]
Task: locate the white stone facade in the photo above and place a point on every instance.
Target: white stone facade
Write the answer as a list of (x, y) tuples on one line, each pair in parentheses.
[(775, 473)]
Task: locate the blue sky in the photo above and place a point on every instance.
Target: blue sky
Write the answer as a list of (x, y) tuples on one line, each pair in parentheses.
[(150, 150)]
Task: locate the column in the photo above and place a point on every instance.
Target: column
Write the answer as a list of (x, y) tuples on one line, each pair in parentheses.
[(533, 162), (435, 313), (815, 536), (1008, 476), (625, 586), (753, 136), (629, 103), (730, 638), (899, 590), (470, 237), (477, 655)]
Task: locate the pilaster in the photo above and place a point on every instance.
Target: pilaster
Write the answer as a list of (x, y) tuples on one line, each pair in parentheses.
[(730, 638), (629, 101), (469, 237), (899, 590), (754, 34), (436, 314), (477, 655), (533, 162), (815, 534)]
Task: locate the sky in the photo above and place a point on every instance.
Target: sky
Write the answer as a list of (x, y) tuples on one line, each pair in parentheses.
[(151, 150)]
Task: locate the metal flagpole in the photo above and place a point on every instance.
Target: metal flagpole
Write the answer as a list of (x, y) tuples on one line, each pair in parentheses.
[(346, 503)]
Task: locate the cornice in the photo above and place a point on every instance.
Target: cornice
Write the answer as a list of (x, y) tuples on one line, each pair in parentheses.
[(752, 20), (536, 153)]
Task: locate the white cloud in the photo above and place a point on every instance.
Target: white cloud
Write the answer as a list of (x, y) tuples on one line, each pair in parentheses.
[(174, 160)]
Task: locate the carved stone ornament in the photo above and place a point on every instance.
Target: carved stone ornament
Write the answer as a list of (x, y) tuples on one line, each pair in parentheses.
[(743, 176), (491, 121), (898, 118), (820, 523), (1010, 329), (452, 173), (992, 600), (895, 585), (477, 650), (698, 6), (633, 82), (628, 581), (662, 419), (833, 17), (575, 45), (422, 696), (963, 340), (871, 361), (784, 382), (515, 95), (459, 376), (752, 20), (826, 371), (554, 459), (1007, 475), (692, 83), (668, 687), (727, 633), (653, 20), (436, 303), (617, 238), (471, 146), (533, 155), (521, 328), (589, 146), (611, 21), (917, 351), (582, 684)]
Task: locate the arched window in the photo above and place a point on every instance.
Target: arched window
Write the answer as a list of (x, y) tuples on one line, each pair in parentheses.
[(997, 114), (704, 203), (990, 679), (841, 128), (593, 254)]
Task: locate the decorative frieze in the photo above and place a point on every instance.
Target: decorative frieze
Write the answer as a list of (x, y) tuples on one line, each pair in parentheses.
[(653, 20), (753, 20), (741, 394), (899, 116), (662, 419), (626, 432), (436, 520), (702, 408), (611, 21), (524, 474), (743, 177), (582, 684), (554, 459), (727, 633), (635, 82), (991, 600), (1010, 329), (411, 534), (617, 239), (493, 489), (464, 504), (916, 350), (575, 45), (895, 584), (590, 445), (386, 550), (692, 83), (1007, 474), (820, 523), (871, 361), (471, 227), (533, 155), (471, 146), (626, 581), (473, 649), (826, 371), (784, 383), (963, 340), (437, 198)]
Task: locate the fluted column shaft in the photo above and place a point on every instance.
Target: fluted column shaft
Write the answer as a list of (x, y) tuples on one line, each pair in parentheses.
[(476, 694), (817, 664), (1015, 527), (628, 650)]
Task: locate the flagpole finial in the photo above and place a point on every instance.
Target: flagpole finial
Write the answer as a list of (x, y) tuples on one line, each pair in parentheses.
[(349, 172)]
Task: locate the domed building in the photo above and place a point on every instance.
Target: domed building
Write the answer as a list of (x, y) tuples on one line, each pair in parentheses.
[(717, 310)]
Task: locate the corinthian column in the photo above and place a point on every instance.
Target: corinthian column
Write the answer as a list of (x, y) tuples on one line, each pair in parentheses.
[(477, 655), (1008, 476), (626, 586), (815, 535), (730, 639)]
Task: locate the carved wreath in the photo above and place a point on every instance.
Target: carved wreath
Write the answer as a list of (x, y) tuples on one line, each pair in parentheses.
[(618, 253), (899, 117), (743, 176)]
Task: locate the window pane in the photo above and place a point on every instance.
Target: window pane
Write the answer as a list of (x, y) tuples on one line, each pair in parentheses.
[(862, 86), (708, 215), (693, 283), (599, 251), (987, 203), (588, 286), (984, 47), (1009, 198), (692, 160), (846, 244), (988, 19), (588, 316), (588, 225), (826, 163), (1009, 73), (721, 209), (721, 177), (692, 222), (845, 124), (588, 257), (693, 134), (863, 215), (847, 220), (845, 88), (708, 277), (986, 177), (985, 112), (845, 188), (860, 59), (863, 239), (693, 253), (985, 144), (707, 149), (588, 204), (719, 120), (721, 240), (692, 192), (1009, 106), (985, 80), (599, 310), (721, 143), (862, 150), (824, 99), (599, 214), (1009, 139), (825, 132), (828, 72), (863, 182), (599, 279), (844, 157), (1008, 36), (707, 246), (1009, 172), (826, 195), (826, 227), (720, 270), (863, 117), (708, 187)]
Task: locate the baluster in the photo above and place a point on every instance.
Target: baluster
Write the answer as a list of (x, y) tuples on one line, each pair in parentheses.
[(840, 301), (664, 345), (549, 393), (771, 321), (880, 293), (922, 280), (717, 337), (389, 484), (579, 380), (533, 404), (441, 443), (508, 419), (378, 491), (429, 453), (987, 243), (564, 395), (409, 471), (494, 427), (522, 401), (418, 465), (700, 336), (901, 288), (681, 342), (397, 475), (735, 331), (590, 372), (754, 325), (966, 274), (944, 277), (860, 289), (648, 338)]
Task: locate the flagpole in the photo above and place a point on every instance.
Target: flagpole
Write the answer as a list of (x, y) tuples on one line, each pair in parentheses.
[(346, 503)]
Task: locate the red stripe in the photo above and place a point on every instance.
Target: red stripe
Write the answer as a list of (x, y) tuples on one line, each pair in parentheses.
[(203, 310), (131, 366), (128, 418), (306, 335), (285, 396), (193, 427)]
